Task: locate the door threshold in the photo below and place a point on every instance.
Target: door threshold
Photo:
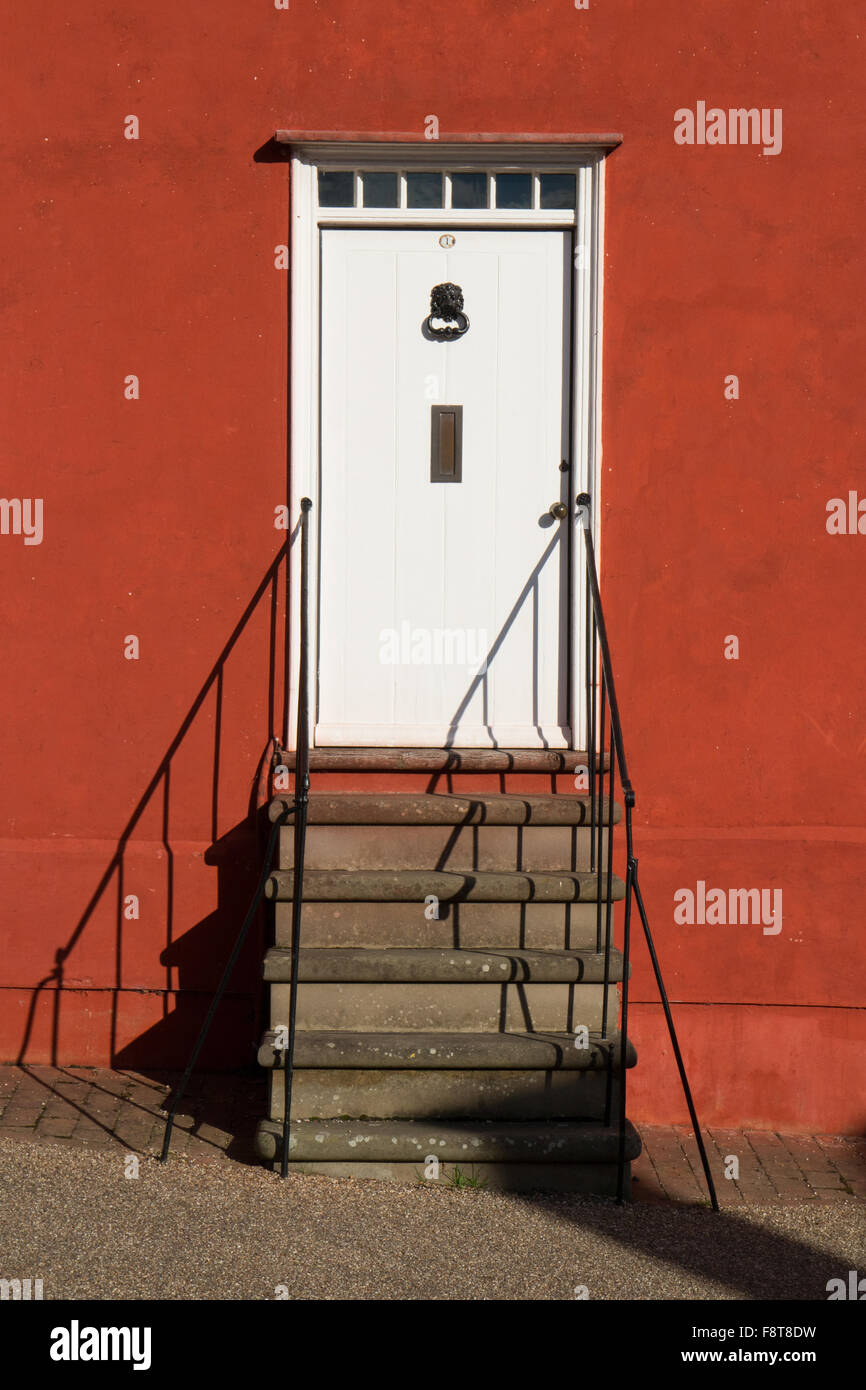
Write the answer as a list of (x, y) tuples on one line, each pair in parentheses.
[(440, 759)]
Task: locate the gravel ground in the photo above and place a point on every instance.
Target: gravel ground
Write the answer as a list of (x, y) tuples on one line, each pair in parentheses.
[(225, 1231)]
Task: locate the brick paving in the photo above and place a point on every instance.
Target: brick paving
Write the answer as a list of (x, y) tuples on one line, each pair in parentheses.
[(749, 1167), (93, 1107)]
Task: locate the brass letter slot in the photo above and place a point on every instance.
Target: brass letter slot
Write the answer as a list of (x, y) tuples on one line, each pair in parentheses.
[(446, 443)]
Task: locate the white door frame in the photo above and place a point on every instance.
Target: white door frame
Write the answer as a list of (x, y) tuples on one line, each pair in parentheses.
[(587, 222)]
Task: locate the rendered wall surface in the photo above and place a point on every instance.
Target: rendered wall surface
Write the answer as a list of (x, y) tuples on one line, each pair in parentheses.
[(155, 257)]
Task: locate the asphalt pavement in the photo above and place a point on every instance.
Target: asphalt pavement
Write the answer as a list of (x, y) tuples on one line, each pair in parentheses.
[(82, 1222)]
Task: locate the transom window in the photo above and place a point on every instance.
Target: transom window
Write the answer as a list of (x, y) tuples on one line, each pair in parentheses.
[(524, 190)]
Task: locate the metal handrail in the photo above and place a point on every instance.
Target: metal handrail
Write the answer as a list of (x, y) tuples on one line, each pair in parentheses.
[(301, 799), (221, 987), (298, 809), (597, 706)]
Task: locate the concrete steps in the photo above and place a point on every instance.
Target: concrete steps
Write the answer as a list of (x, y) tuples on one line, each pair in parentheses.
[(409, 965), (501, 761), (415, 885), (399, 1008), (570, 1155), (446, 832), (415, 988), (513, 1076), (472, 925), (452, 978), (475, 1051), (400, 808)]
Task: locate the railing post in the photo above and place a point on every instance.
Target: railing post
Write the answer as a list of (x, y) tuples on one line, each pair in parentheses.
[(631, 870), (221, 988), (302, 791), (597, 643), (301, 798)]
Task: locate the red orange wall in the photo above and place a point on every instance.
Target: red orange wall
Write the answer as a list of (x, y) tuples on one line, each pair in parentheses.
[(155, 257)]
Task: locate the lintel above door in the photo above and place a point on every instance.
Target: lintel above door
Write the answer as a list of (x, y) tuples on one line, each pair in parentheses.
[(594, 142)]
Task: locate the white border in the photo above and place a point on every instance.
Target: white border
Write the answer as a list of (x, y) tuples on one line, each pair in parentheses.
[(306, 218)]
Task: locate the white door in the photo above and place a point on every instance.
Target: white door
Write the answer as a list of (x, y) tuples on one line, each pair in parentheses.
[(443, 603)]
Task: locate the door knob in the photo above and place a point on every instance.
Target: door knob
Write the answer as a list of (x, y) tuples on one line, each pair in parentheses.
[(558, 510)]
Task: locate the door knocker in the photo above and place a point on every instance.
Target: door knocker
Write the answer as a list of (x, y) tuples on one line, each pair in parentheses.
[(446, 306)]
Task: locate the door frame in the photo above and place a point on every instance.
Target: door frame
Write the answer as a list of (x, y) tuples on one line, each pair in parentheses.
[(586, 221)]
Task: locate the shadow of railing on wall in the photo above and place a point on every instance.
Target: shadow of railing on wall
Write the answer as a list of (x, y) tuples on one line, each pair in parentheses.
[(236, 853)]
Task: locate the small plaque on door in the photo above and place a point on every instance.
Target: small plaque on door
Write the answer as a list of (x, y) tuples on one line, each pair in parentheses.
[(446, 443)]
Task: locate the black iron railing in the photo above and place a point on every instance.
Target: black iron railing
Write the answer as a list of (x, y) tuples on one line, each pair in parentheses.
[(298, 809), (606, 761)]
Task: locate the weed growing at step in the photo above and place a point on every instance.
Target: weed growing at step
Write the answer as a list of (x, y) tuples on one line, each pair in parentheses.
[(460, 1179)]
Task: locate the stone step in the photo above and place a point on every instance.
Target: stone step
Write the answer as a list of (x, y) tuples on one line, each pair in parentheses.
[(415, 964), (416, 885), (452, 1141), (444, 1008), (535, 1052), (473, 925), (375, 1093), (456, 760), (415, 902), (402, 808), (587, 1179), (575, 1155), (531, 848), (509, 1076)]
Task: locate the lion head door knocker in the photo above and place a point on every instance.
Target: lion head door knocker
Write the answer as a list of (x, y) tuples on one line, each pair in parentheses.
[(446, 308)]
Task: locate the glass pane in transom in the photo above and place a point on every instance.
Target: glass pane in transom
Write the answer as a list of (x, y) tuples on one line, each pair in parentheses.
[(424, 189)]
